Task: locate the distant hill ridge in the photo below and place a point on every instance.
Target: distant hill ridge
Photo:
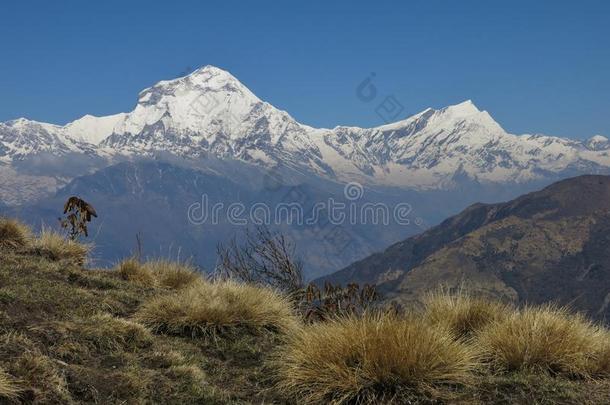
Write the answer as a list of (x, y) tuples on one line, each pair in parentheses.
[(549, 245)]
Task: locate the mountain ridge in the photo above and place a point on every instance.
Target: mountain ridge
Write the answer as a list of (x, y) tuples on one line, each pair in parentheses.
[(210, 112)]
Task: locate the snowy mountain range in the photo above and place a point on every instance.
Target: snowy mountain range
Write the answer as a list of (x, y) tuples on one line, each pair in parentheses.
[(210, 113), (207, 134)]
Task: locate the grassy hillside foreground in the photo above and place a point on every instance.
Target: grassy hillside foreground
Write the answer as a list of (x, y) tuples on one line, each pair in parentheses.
[(159, 332)]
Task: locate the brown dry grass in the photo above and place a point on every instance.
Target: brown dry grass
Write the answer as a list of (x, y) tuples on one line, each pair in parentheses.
[(600, 364), (14, 234), (36, 372), (104, 333), (222, 306), (66, 337), (159, 273), (461, 312), (173, 275), (73, 335), (56, 247), (546, 338), (132, 270), (377, 358), (9, 388)]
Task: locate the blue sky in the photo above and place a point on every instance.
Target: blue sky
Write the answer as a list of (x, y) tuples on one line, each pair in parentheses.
[(535, 66)]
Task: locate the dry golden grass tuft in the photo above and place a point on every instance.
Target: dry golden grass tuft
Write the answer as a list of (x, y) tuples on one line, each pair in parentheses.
[(378, 358), (36, 372), (547, 338), (600, 364), (132, 270), (461, 312), (189, 378), (159, 273), (210, 307), (105, 333), (14, 234), (43, 379), (165, 359), (173, 275), (9, 388), (56, 247)]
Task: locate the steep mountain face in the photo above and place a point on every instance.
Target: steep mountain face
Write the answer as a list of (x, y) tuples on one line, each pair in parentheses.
[(549, 245), (210, 113)]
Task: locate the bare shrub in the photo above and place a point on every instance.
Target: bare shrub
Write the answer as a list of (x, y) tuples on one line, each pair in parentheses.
[(267, 258), (264, 258)]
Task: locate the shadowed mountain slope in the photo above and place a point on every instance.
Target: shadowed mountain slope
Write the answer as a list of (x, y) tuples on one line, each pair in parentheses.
[(549, 245)]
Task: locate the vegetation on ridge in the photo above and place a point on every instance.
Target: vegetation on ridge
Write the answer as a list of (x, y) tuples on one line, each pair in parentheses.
[(159, 332)]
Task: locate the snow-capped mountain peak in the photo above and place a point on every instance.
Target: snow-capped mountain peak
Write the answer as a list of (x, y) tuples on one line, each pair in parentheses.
[(24, 124), (206, 111), (211, 112), (192, 103), (467, 111), (93, 129), (22, 137), (598, 142), (208, 79), (463, 109)]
